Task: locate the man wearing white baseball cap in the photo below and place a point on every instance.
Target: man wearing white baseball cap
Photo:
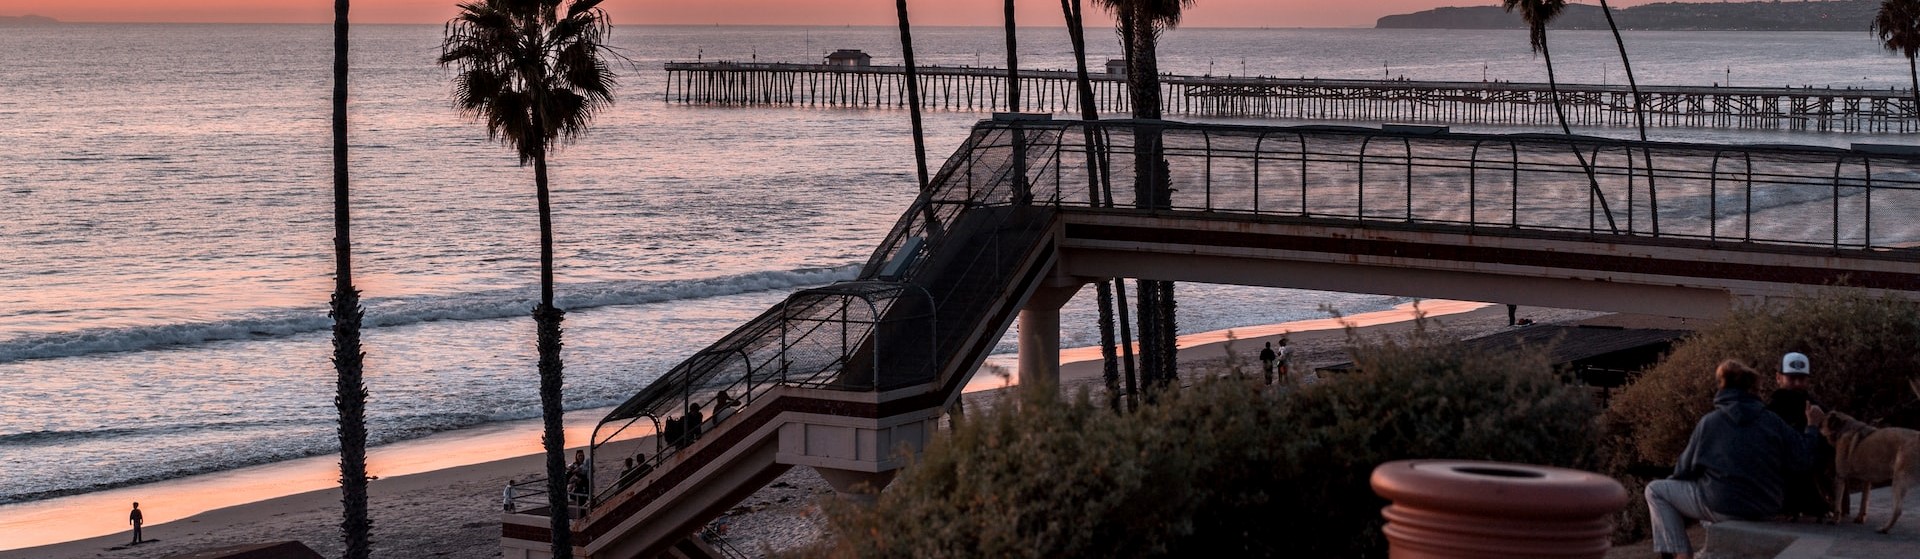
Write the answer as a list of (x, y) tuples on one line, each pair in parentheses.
[(1805, 495)]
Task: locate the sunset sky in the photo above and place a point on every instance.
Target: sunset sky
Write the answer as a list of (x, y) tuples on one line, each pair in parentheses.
[(1207, 13)]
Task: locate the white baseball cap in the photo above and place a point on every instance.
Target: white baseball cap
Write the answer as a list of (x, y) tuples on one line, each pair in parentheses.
[(1795, 364)]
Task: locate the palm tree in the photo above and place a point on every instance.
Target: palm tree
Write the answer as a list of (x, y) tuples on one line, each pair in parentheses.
[(913, 97), (350, 393), (1639, 115), (913, 100), (536, 77), (1096, 159), (1898, 26), (1013, 62), (1537, 14), (1140, 23), (1021, 193)]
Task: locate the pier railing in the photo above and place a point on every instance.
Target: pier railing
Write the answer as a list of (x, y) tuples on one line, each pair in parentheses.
[(1845, 199), (1457, 102)]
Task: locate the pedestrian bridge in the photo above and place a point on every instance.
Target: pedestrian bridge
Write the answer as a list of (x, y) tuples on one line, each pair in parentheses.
[(842, 378)]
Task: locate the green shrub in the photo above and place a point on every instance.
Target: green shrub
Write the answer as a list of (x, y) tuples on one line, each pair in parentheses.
[(1864, 351), (1222, 468), (1421, 398)]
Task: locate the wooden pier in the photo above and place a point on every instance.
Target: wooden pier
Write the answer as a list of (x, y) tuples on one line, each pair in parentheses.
[(1052, 91)]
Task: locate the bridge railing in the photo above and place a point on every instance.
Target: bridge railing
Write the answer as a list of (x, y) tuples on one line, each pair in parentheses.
[(1790, 195), (875, 333)]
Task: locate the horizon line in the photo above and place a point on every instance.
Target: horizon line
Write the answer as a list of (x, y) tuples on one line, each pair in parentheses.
[(837, 26)]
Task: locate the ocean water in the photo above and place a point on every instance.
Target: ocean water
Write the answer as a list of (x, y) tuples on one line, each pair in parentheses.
[(165, 249)]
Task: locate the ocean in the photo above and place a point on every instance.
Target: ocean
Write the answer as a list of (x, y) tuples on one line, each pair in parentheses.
[(165, 253)]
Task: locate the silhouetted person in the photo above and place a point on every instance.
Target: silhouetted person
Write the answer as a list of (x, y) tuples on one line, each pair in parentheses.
[(723, 407), (1513, 312), (1267, 358), (136, 519), (693, 422), (1790, 396), (637, 468), (674, 433)]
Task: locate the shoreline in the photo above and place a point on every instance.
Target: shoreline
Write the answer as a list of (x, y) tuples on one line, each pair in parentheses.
[(482, 458)]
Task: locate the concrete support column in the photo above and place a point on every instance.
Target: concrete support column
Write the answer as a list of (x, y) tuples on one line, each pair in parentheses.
[(1040, 345), (1040, 334)]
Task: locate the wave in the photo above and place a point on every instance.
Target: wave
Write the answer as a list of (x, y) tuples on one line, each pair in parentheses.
[(62, 436), (389, 312), (293, 440)]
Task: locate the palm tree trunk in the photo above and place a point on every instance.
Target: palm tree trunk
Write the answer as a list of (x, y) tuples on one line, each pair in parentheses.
[(1089, 111), (1914, 73), (350, 392), (1169, 335), (1126, 341), (1146, 292), (1639, 119), (1153, 180), (913, 94), (547, 318), (1022, 193), (1593, 182), (913, 109), (1140, 80), (1553, 91)]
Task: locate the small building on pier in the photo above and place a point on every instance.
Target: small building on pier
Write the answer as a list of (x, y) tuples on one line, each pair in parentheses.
[(1117, 66), (850, 58)]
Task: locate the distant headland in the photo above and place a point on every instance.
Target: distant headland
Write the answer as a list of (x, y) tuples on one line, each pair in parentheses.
[(27, 20), (1835, 15)]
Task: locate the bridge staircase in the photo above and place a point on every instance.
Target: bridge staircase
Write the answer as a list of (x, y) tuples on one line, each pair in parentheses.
[(842, 378)]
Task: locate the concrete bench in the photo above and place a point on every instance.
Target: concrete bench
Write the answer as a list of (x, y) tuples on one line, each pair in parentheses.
[(1810, 540)]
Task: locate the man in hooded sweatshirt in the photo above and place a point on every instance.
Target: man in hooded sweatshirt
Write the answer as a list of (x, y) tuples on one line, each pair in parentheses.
[(1735, 466)]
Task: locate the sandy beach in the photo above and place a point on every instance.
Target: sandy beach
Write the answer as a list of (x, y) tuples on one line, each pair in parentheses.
[(454, 512)]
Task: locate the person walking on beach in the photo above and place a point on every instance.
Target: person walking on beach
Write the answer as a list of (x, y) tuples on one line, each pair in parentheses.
[(1267, 357), (1735, 465), (136, 519), (1280, 356)]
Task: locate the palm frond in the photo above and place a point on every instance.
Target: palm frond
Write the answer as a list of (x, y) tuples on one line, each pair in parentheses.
[(516, 57), (1897, 24), (1165, 14), (1537, 14)]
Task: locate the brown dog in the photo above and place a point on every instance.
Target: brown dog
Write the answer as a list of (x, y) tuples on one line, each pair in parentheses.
[(1871, 455)]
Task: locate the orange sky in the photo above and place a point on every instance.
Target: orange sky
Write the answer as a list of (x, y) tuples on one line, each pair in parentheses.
[(1207, 13)]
